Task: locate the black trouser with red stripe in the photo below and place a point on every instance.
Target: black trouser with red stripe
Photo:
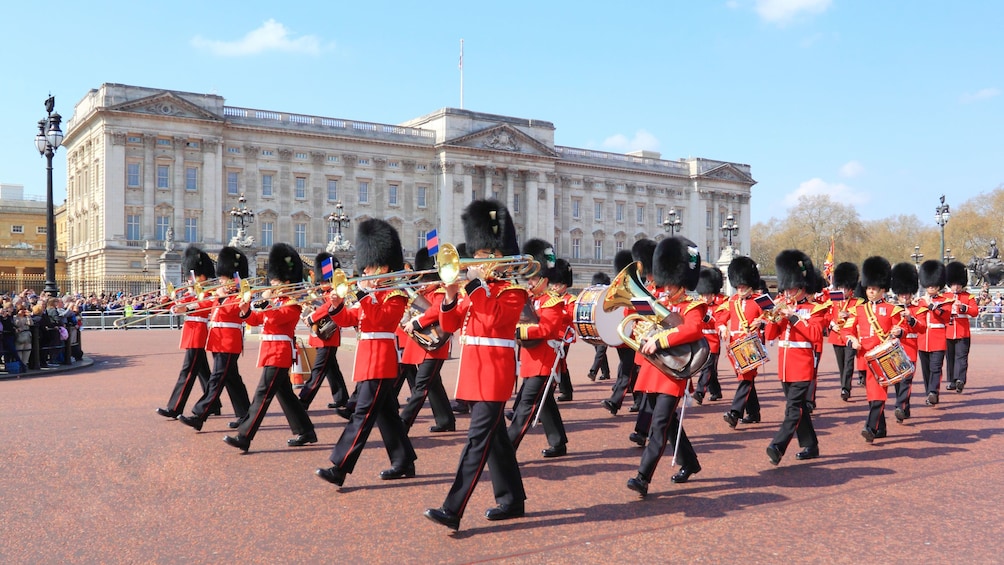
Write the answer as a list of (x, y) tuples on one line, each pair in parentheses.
[(531, 394), (375, 405), (746, 400), (195, 366), (274, 382), (224, 375), (797, 417), (325, 366), (429, 384), (663, 431), (487, 443), (627, 372)]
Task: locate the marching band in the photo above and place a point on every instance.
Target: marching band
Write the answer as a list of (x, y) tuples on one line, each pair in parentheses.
[(506, 313)]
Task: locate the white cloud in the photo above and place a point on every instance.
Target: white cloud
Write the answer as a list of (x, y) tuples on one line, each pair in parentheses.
[(838, 192), (852, 169), (641, 140), (782, 12), (271, 36), (982, 94)]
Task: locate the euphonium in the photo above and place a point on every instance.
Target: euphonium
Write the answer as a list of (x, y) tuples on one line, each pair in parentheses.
[(678, 362)]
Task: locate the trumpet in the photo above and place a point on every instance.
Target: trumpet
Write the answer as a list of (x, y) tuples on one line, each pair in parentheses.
[(450, 265)]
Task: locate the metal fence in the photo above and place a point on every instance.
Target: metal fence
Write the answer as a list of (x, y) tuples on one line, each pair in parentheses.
[(139, 320), (131, 284)]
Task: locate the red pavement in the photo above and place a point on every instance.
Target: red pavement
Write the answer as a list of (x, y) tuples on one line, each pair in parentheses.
[(91, 474)]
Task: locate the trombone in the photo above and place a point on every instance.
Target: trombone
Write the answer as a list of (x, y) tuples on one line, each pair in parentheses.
[(450, 265)]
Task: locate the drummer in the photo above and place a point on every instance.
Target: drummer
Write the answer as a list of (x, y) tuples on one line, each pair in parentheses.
[(870, 325)]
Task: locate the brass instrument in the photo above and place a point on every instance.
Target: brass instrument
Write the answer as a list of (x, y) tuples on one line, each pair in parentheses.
[(431, 337), (528, 317), (678, 362), (450, 265)]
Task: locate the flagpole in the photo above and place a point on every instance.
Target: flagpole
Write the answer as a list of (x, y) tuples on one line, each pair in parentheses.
[(461, 74)]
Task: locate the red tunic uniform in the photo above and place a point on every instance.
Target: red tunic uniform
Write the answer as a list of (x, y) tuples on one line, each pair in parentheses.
[(712, 319), (415, 354), (963, 309), (487, 318), (938, 315), (797, 341), (226, 330), (195, 331), (872, 324), (316, 316), (693, 311), (277, 333), (736, 318), (839, 312), (909, 339), (376, 316), (539, 359)]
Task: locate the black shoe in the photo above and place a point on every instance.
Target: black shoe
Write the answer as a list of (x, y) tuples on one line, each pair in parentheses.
[(554, 451), (881, 434), (591, 376), (808, 453), (951, 385), (216, 412), (959, 385), (683, 475), (610, 406), (638, 439), (191, 421), (241, 443), (505, 512), (731, 419), (302, 439), (603, 378), (437, 429), (861, 380), (868, 435), (332, 474), (168, 413), (406, 472), (234, 424), (716, 397), (564, 398), (900, 415), (332, 405), (510, 415), (932, 399), (437, 515), (344, 412), (845, 394), (751, 420), (460, 408), (699, 398), (634, 408), (774, 454), (639, 485)]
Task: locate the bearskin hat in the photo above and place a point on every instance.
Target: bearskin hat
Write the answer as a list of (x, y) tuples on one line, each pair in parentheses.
[(676, 262), (425, 262), (904, 279), (321, 258), (284, 264), (462, 250), (794, 270), (859, 291), (488, 225), (642, 252), (711, 281), (600, 278), (197, 261), (846, 275), (560, 273), (744, 272), (876, 271), (232, 261), (542, 252), (932, 273), (622, 259), (817, 284), (378, 245), (956, 273)]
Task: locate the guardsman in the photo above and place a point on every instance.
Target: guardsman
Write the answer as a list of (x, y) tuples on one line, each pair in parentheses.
[(710, 290), (325, 338), (560, 280), (933, 343), (904, 284), (627, 369), (958, 335), (845, 279), (742, 317)]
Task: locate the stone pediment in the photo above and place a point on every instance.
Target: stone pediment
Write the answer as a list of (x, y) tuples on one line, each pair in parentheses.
[(503, 137), (729, 173), (166, 104)]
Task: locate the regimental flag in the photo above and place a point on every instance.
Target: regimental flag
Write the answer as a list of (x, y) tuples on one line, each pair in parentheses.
[(643, 306), (327, 268), (432, 242), (764, 301), (837, 295), (828, 265)]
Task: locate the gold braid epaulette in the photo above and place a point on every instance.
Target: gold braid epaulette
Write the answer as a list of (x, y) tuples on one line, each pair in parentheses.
[(395, 292), (514, 286), (822, 306), (693, 303), (551, 301)]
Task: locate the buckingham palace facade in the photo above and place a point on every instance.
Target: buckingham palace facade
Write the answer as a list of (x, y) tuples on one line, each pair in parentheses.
[(142, 161)]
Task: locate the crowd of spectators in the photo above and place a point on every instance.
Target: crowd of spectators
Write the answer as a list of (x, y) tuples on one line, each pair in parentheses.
[(991, 310), (47, 327)]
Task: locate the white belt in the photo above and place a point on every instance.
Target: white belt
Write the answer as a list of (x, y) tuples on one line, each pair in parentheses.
[(196, 319), (489, 341), (225, 325), (276, 337), (936, 325), (963, 317), (709, 331), (376, 335), (794, 344), (912, 336)]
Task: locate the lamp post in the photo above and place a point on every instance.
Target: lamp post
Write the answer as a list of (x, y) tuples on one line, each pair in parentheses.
[(730, 227), (47, 140), (672, 222), (948, 258), (245, 217), (338, 219), (917, 256), (941, 215)]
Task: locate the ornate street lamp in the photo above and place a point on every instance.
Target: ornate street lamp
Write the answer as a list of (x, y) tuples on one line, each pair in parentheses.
[(948, 258), (730, 227), (47, 140), (338, 219), (941, 216), (244, 216), (917, 255), (672, 222)]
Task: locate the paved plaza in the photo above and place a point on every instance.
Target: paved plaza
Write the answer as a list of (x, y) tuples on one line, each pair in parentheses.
[(91, 474)]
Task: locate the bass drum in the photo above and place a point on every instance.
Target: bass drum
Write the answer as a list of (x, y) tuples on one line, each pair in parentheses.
[(592, 323)]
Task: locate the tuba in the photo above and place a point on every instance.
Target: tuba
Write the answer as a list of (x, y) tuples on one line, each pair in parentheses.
[(678, 362), (430, 337)]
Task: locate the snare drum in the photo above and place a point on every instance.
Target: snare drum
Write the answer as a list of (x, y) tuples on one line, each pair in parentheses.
[(747, 353), (889, 363), (593, 324)]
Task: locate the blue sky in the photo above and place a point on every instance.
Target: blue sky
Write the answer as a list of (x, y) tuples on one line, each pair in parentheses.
[(882, 105)]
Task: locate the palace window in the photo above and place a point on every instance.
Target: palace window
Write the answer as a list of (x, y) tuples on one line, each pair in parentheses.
[(576, 247), (619, 212), (598, 210), (161, 223), (364, 192), (422, 239), (421, 197), (266, 234), (597, 249), (575, 208), (163, 176), (266, 186), (300, 235), (191, 178), (640, 214), (392, 194), (132, 227), (191, 229), (132, 175), (301, 188), (332, 190)]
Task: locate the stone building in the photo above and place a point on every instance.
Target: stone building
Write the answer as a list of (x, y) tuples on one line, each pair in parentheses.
[(23, 240), (142, 160)]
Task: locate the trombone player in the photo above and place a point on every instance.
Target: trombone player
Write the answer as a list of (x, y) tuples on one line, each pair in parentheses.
[(325, 336)]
